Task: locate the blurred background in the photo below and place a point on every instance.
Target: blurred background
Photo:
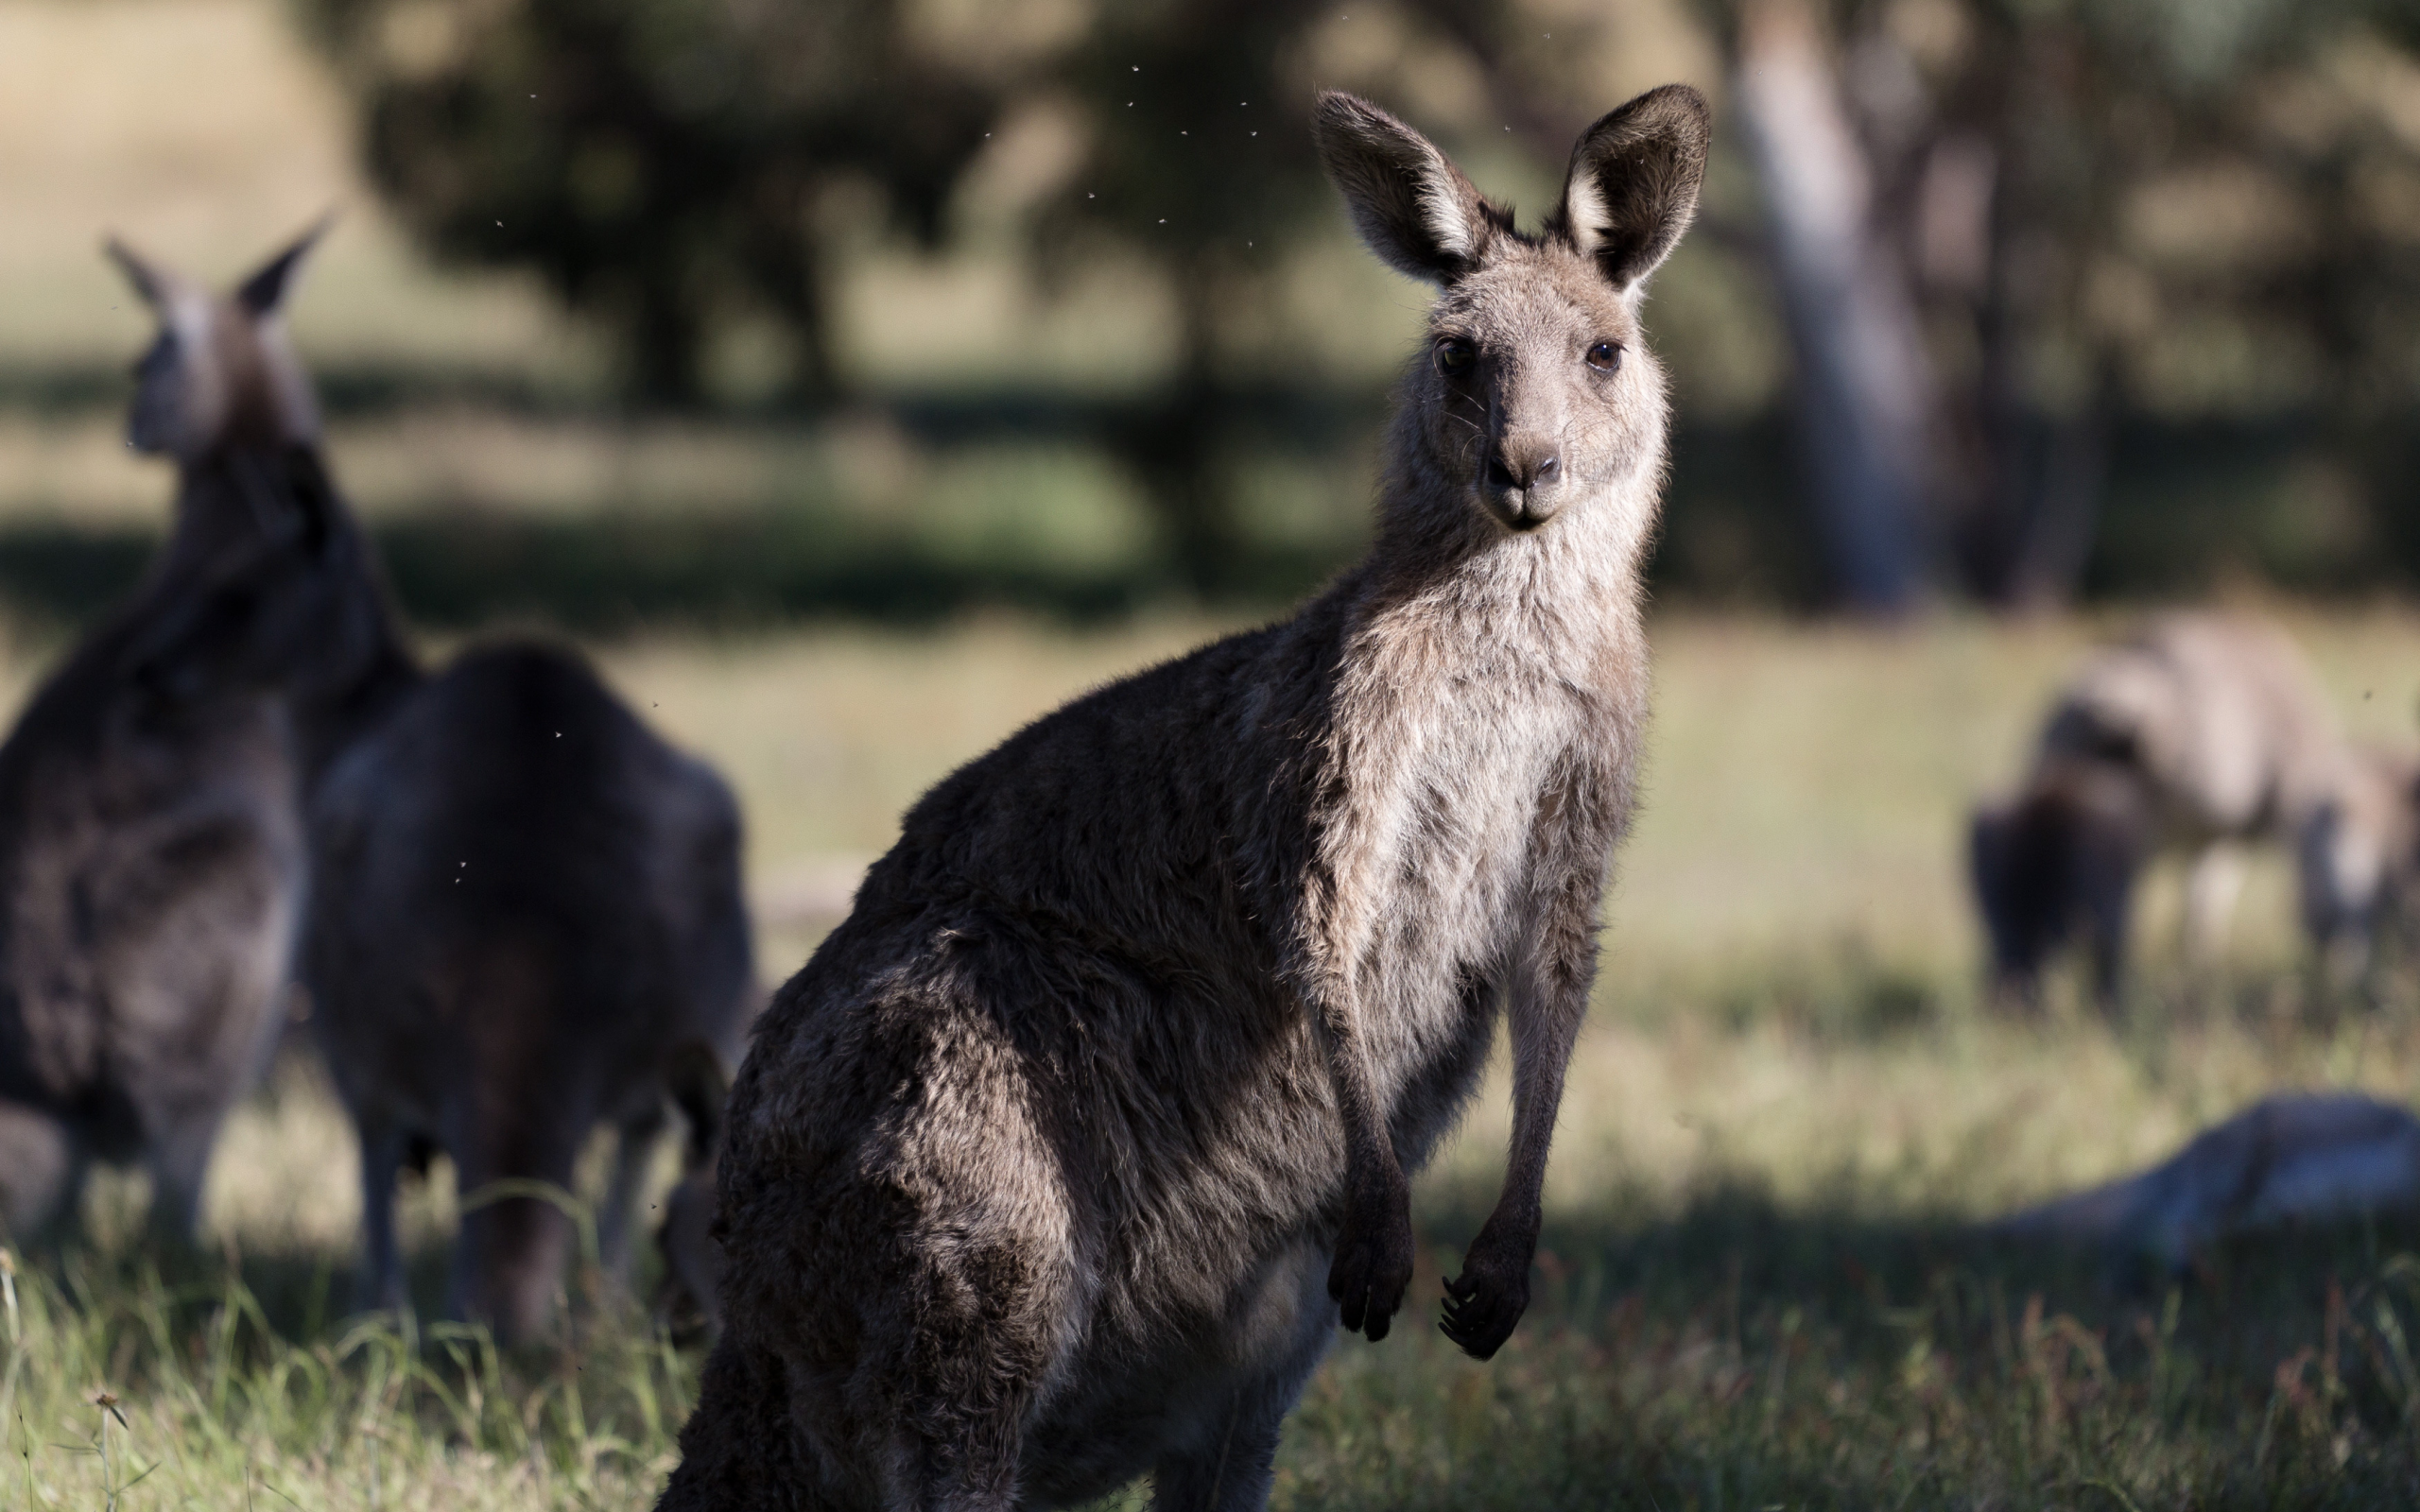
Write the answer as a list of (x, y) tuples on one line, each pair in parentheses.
[(864, 377), (720, 312)]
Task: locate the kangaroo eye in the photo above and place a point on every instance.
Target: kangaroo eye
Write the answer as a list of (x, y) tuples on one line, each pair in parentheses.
[(1455, 356), (1605, 356)]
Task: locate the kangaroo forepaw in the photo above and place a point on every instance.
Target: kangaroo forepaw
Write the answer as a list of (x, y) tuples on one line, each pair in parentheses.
[(1485, 1301), (1373, 1266)]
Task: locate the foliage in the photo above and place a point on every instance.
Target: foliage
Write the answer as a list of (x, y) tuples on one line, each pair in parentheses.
[(660, 162), (2147, 211)]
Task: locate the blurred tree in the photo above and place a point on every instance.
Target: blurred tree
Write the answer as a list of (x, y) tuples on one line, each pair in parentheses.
[(661, 163), (1199, 157), (2142, 208)]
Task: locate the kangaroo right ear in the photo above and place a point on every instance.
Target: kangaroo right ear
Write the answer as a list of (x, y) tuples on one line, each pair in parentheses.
[(266, 289), (1414, 209), (1633, 183)]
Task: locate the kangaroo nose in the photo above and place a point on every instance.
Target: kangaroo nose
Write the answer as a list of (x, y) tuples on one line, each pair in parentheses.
[(1523, 470)]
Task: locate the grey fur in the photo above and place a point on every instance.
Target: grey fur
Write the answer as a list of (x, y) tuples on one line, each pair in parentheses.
[(522, 901), (2297, 1158), (1060, 1160), (151, 854), (699, 1084), (2356, 856), (2196, 734)]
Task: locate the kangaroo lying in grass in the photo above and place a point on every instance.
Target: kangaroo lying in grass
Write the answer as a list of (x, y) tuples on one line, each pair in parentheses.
[(151, 848), (2198, 733), (2302, 1159), (1063, 1156)]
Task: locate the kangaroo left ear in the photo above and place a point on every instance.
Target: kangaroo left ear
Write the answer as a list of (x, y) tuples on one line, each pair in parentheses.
[(262, 293), (158, 287), (1632, 189)]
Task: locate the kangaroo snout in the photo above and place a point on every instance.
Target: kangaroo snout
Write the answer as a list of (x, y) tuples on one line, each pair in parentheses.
[(1520, 485)]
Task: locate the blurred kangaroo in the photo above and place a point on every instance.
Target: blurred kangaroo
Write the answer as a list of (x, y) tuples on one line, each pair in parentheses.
[(151, 848), (2356, 856), (2302, 1159), (696, 1076), (523, 900), (1062, 1158), (523, 903), (2195, 735)]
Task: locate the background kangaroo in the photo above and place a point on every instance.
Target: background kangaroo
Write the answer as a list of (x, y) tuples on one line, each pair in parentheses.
[(1061, 1159), (2195, 735), (151, 852), (526, 912), (2356, 856), (522, 901), (2297, 1158)]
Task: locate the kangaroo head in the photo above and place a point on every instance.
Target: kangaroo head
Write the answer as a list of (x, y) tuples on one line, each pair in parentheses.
[(1536, 393), (221, 370), (2057, 861)]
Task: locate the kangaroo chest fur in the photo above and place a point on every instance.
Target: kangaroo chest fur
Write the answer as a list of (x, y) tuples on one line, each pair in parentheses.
[(1117, 980), (1474, 739)]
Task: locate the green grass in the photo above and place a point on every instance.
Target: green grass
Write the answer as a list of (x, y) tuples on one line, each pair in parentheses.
[(1760, 1285)]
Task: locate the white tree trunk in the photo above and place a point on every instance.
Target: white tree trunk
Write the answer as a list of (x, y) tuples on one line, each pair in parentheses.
[(1865, 387)]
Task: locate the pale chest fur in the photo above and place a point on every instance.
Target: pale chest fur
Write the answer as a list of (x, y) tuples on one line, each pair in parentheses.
[(1475, 749)]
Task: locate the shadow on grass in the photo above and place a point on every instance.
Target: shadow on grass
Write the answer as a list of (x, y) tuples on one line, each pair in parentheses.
[(612, 574), (1740, 1352)]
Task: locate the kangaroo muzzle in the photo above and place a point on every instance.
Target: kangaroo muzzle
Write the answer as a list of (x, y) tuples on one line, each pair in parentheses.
[(1522, 482)]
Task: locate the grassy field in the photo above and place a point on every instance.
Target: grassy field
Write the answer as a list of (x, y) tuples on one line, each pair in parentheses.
[(1760, 1287), (1760, 1284)]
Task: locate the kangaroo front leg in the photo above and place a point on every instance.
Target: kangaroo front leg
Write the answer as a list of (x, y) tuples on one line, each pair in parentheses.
[(1374, 1249), (1549, 996)]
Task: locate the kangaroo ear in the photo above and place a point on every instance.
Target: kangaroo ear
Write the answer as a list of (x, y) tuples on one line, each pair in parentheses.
[(157, 285), (262, 293), (1633, 183), (1413, 208)]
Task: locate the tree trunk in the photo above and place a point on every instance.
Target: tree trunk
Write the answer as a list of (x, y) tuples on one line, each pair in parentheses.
[(1865, 387)]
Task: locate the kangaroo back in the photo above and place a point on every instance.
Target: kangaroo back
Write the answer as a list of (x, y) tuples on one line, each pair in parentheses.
[(524, 900)]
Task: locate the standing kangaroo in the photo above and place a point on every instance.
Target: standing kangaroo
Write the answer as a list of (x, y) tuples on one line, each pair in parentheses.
[(2195, 735), (151, 848), (523, 901), (525, 914), (1061, 1159)]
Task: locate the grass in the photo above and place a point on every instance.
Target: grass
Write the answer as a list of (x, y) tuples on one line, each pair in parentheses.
[(1761, 1284)]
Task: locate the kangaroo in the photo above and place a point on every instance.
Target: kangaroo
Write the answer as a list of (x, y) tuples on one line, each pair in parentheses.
[(699, 1085), (151, 847), (2309, 1159), (523, 901), (2194, 735), (2357, 857), (1062, 1158)]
